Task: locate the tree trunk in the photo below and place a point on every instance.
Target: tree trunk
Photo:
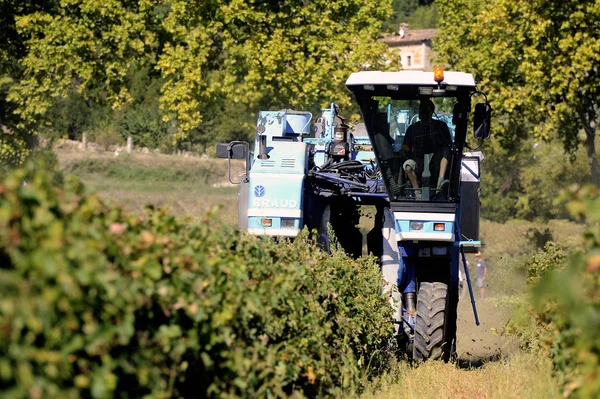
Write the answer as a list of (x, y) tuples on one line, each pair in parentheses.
[(587, 115)]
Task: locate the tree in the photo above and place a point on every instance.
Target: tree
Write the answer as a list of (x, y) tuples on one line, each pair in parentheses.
[(546, 171), (418, 14), (424, 17), (538, 61), (13, 141), (141, 118), (402, 9), (86, 45), (292, 53)]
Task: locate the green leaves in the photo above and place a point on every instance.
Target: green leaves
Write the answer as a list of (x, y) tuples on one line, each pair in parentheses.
[(536, 60), (80, 46), (98, 303), (292, 53), (566, 298), (249, 54)]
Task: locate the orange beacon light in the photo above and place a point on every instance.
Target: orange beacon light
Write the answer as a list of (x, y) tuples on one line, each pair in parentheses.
[(438, 74)]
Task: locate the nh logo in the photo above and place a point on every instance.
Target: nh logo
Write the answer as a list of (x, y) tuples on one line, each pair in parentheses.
[(259, 191)]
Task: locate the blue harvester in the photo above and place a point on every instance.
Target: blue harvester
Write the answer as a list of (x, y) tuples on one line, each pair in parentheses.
[(294, 181)]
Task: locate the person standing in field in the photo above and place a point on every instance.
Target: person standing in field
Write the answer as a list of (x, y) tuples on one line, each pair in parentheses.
[(481, 273)]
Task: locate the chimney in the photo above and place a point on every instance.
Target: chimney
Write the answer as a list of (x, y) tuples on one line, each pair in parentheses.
[(403, 29)]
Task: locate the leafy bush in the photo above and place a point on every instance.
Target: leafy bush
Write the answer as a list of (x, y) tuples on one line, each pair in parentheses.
[(107, 135), (513, 270), (542, 261), (13, 150), (144, 124), (566, 299), (520, 179), (548, 171), (99, 303), (73, 115), (500, 184), (538, 237)]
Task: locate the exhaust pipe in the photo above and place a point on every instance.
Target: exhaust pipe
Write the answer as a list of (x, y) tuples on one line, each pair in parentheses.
[(262, 147), (410, 302)]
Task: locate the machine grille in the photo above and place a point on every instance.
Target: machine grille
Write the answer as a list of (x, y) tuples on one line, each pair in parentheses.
[(267, 163), (288, 162)]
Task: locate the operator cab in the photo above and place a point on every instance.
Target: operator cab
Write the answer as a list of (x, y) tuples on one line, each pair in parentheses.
[(390, 103), (405, 130)]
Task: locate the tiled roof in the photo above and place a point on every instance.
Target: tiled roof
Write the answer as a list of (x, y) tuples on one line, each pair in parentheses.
[(411, 37)]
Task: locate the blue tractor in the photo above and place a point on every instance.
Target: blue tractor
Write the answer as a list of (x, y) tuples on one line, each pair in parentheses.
[(293, 181)]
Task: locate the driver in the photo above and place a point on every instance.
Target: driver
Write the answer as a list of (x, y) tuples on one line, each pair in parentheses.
[(427, 136)]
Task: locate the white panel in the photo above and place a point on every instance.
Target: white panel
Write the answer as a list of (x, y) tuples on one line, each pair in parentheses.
[(465, 174), (477, 154), (416, 236), (470, 243), (390, 263), (425, 216), (274, 232), (284, 213), (286, 176), (390, 259), (408, 78)]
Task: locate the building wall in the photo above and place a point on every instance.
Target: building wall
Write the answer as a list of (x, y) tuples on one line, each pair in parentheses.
[(413, 57)]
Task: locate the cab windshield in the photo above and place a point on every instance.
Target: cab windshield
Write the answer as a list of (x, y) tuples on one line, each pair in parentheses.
[(414, 142)]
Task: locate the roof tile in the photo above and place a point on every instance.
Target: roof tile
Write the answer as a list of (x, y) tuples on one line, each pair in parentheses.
[(412, 36)]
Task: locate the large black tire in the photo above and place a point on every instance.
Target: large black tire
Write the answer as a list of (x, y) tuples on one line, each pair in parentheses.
[(434, 326)]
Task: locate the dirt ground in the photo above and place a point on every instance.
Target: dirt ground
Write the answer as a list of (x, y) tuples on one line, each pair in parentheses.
[(478, 344)]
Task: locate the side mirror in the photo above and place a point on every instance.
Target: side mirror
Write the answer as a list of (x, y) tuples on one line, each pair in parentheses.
[(233, 150), (482, 117)]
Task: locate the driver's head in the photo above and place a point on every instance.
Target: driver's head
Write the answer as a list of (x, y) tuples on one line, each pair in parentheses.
[(426, 109)]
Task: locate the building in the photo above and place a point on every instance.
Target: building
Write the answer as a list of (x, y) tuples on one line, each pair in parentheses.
[(414, 47)]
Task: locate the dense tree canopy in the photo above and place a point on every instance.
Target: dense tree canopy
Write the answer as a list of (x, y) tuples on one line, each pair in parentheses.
[(181, 75), (538, 61), (13, 143), (418, 14), (293, 53)]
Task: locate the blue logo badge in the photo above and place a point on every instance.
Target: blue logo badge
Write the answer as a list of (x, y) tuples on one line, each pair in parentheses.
[(259, 191)]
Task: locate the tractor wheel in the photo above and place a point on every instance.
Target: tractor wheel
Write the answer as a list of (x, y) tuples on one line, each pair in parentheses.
[(433, 338)]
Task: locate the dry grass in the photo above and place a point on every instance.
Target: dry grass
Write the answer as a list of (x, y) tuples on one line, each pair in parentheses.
[(181, 199), (522, 376), (66, 157), (508, 244), (188, 187), (512, 237)]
